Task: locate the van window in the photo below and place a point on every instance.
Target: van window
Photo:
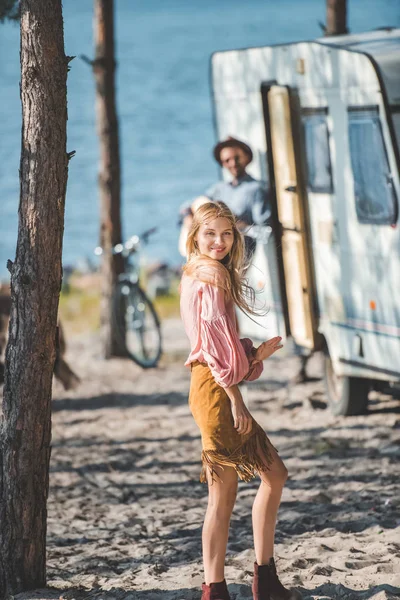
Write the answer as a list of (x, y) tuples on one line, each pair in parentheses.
[(318, 159), (373, 187), (396, 123)]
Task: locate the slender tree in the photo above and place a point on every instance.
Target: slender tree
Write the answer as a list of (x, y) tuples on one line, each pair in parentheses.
[(35, 286), (104, 67), (336, 17)]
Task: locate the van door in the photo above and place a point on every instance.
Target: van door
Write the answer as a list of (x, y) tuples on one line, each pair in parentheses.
[(262, 276), (293, 216)]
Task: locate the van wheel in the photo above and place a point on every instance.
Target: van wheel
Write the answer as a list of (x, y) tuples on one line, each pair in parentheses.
[(347, 396)]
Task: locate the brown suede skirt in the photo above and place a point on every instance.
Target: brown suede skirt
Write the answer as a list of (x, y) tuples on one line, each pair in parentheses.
[(223, 446)]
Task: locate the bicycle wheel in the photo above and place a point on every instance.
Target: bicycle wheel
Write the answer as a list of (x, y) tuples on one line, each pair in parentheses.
[(137, 324)]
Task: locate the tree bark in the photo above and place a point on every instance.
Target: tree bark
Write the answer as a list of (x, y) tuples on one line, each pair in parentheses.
[(336, 17), (35, 286), (110, 172)]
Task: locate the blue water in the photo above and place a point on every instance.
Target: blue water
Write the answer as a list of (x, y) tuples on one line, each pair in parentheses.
[(163, 50)]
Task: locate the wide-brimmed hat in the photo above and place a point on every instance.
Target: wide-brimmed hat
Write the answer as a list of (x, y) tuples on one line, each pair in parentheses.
[(231, 142)]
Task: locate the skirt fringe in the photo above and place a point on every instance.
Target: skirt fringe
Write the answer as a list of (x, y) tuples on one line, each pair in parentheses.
[(248, 460)]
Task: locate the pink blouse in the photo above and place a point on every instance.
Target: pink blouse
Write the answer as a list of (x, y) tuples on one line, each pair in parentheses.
[(211, 326)]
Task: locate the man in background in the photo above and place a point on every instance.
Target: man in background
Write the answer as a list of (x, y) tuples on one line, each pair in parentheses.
[(245, 196)]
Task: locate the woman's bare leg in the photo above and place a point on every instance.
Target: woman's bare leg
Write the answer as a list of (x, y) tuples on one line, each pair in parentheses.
[(221, 500), (265, 508)]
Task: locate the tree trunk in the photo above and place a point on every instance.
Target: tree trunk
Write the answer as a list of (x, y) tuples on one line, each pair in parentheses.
[(336, 17), (110, 172), (35, 286)]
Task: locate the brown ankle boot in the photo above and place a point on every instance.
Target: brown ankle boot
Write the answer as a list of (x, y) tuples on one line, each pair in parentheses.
[(215, 591), (266, 584), (261, 582)]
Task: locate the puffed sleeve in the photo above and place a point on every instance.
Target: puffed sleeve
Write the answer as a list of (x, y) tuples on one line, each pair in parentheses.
[(255, 367), (222, 349)]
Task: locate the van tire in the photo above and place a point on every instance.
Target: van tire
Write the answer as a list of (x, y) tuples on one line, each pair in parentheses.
[(347, 396)]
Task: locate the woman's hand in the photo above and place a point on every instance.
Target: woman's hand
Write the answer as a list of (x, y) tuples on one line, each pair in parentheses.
[(266, 349), (242, 420)]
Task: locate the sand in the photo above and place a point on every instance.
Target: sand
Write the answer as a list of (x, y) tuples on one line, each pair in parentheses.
[(126, 507)]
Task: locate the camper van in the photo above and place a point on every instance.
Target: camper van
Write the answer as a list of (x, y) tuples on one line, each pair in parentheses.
[(323, 120)]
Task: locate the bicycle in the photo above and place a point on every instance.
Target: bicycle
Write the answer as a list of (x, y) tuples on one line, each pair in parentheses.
[(135, 319)]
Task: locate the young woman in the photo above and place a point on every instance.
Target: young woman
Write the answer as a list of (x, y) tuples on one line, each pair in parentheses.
[(234, 445)]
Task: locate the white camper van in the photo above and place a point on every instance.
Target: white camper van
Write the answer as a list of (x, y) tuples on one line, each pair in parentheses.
[(323, 120)]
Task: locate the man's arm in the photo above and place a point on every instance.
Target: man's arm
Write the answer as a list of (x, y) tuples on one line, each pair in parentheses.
[(187, 208), (261, 208), (212, 192)]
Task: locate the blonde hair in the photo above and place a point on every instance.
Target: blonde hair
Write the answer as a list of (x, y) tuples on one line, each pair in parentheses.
[(228, 273)]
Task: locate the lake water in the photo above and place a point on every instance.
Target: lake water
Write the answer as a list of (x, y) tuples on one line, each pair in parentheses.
[(163, 51)]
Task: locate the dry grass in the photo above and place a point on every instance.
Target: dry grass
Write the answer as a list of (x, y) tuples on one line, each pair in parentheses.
[(167, 306), (80, 304)]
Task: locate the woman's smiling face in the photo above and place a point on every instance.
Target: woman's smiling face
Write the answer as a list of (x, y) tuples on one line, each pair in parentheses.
[(215, 238)]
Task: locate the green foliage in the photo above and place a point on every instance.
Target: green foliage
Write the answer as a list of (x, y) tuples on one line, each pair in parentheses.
[(9, 9)]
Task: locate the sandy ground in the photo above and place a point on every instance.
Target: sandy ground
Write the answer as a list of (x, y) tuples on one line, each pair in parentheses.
[(126, 508)]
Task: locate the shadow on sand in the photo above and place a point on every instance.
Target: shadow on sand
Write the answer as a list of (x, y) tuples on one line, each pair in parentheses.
[(327, 591), (119, 401)]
